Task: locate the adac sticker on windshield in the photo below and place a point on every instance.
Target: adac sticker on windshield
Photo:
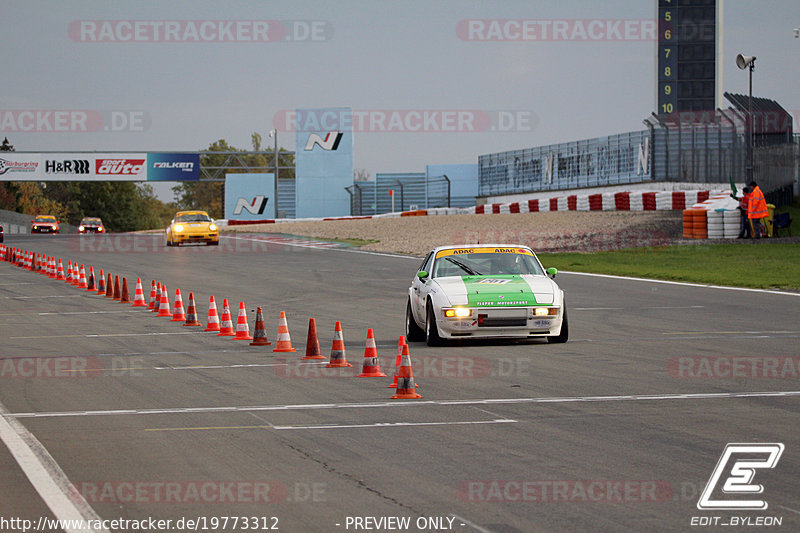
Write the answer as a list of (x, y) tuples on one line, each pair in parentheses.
[(461, 251)]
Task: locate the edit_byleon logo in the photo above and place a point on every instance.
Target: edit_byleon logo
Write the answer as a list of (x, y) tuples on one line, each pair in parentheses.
[(734, 475)]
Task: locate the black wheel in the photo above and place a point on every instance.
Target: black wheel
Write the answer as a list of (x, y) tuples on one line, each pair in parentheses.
[(432, 337), (414, 333), (169, 243), (212, 243), (564, 335)]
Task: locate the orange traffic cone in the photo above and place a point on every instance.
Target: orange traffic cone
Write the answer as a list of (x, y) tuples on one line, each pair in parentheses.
[(191, 313), (125, 295), (60, 271), (284, 341), (138, 296), (226, 328), (76, 274), (90, 282), (338, 356), (31, 262), (101, 283), (163, 308), (260, 332), (178, 314), (242, 327), (400, 342), (371, 367), (109, 287), (406, 388), (82, 279), (117, 292), (312, 343), (153, 295), (68, 279), (213, 318), (157, 303)]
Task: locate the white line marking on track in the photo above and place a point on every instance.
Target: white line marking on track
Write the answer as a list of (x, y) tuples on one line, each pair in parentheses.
[(33, 297), (90, 312), (93, 335), (399, 424), (214, 367), (418, 403), (788, 509), (341, 426), (337, 249), (18, 283), (683, 283), (45, 475)]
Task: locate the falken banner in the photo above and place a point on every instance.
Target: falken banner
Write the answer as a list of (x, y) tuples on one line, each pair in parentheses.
[(98, 166), (324, 161), (249, 196)]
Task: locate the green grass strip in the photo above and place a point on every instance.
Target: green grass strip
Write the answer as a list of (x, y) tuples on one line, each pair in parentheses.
[(761, 266)]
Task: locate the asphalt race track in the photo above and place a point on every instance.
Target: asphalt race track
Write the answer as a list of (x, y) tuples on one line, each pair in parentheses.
[(619, 429)]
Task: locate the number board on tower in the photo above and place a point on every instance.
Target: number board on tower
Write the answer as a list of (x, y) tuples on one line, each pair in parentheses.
[(686, 62)]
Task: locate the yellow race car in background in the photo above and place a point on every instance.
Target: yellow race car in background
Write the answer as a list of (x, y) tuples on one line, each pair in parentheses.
[(192, 226)]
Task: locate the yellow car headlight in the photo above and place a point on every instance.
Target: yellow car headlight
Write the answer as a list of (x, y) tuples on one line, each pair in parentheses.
[(178, 228), (460, 312), (212, 227)]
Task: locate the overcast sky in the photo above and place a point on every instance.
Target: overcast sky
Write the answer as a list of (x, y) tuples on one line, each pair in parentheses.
[(184, 77)]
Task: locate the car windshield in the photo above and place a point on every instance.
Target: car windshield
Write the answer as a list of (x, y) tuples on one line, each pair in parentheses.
[(45, 219), (481, 263), (86, 221), (193, 217)]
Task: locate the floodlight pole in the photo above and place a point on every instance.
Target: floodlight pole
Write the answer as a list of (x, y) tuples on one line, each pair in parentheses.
[(274, 135), (750, 128)]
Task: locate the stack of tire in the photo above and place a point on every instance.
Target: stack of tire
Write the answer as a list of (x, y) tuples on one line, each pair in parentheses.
[(732, 221), (716, 224), (695, 224)]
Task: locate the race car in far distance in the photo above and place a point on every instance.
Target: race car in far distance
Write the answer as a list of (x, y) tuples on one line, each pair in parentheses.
[(1, 233), (91, 225), (192, 226), (44, 224), (485, 290)]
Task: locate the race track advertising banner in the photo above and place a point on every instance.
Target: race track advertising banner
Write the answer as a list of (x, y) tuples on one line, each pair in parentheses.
[(249, 196), (173, 167), (324, 162), (98, 166)]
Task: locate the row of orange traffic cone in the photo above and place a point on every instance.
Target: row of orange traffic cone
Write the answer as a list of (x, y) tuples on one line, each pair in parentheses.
[(159, 303)]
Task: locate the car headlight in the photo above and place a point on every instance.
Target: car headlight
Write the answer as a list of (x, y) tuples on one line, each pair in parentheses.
[(458, 312), (212, 227), (544, 311), (178, 228), (81, 228)]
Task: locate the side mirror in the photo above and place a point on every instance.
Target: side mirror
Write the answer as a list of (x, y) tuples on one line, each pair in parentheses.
[(422, 275), (552, 271)]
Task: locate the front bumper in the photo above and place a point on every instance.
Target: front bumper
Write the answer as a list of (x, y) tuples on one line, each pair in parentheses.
[(182, 238), (515, 322), (44, 229)]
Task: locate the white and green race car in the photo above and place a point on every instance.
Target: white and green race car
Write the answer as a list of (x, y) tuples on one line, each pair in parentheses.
[(485, 290)]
